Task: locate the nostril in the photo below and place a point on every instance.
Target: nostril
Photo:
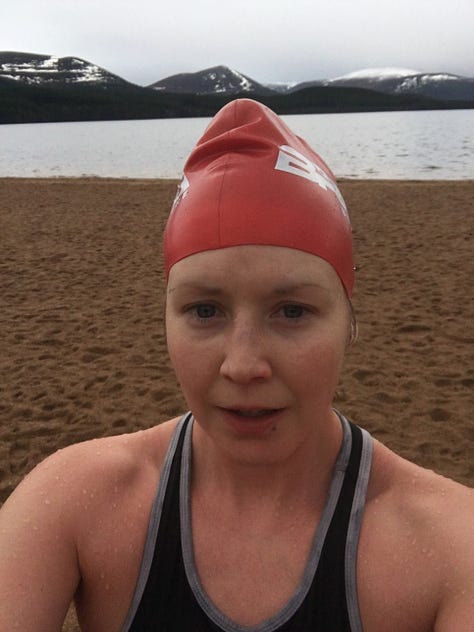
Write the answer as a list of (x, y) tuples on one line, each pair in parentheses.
[(245, 369)]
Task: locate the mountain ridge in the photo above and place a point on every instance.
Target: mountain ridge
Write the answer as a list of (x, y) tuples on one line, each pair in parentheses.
[(35, 68), (45, 88), (387, 80), (214, 80)]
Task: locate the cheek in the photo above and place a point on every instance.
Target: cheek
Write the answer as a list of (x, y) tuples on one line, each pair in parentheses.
[(189, 361), (177, 346), (319, 367), (180, 356)]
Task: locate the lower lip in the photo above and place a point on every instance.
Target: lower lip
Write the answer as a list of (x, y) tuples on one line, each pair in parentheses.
[(252, 426)]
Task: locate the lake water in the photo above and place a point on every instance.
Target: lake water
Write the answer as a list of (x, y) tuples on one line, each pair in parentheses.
[(408, 145)]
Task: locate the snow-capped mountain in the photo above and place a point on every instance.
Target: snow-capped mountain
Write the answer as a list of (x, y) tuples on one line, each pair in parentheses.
[(396, 81), (43, 70), (45, 88), (405, 81), (33, 69), (215, 80)]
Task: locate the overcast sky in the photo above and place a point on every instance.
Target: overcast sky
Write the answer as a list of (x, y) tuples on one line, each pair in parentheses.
[(269, 40)]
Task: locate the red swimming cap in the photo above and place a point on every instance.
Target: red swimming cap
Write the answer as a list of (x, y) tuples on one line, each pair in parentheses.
[(251, 180)]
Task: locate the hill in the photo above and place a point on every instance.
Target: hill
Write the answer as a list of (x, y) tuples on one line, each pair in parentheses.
[(43, 88)]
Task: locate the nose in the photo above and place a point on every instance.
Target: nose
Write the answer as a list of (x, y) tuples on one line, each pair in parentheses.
[(245, 359)]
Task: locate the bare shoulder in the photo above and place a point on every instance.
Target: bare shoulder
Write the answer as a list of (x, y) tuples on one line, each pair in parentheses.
[(422, 524), (98, 466), (58, 530), (420, 495)]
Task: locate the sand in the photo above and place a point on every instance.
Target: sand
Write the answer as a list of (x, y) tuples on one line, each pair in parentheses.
[(82, 337)]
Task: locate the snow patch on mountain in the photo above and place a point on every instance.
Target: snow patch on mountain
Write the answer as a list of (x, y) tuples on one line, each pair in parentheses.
[(281, 86), (225, 77), (47, 69), (378, 73)]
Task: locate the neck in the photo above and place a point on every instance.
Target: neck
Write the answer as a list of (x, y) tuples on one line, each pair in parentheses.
[(302, 477)]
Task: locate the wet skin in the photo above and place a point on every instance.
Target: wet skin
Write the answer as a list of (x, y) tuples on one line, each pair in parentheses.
[(257, 336)]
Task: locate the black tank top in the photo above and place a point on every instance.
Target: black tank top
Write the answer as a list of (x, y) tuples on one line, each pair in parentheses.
[(169, 596)]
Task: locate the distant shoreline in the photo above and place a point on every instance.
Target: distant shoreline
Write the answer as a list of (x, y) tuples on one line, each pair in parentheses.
[(20, 103)]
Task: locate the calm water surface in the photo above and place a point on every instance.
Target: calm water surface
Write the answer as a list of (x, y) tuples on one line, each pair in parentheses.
[(408, 145)]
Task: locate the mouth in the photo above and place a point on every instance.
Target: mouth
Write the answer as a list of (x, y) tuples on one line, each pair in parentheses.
[(252, 421), (253, 413)]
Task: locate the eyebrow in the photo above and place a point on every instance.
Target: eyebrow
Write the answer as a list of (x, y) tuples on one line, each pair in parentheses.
[(198, 287), (291, 287), (215, 291)]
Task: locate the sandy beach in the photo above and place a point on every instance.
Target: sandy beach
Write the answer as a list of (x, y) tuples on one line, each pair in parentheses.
[(82, 342)]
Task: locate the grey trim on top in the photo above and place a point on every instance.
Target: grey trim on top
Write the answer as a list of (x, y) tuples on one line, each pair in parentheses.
[(299, 595), (353, 532), (153, 526)]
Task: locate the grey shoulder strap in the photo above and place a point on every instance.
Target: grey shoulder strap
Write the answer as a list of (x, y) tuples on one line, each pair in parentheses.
[(353, 533), (153, 526)]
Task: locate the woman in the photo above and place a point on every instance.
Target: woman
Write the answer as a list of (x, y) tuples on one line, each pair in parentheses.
[(262, 509)]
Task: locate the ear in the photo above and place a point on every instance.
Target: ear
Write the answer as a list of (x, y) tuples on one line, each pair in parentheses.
[(353, 326)]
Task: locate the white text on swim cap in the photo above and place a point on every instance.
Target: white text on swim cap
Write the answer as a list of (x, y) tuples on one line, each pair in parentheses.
[(293, 161), (181, 192)]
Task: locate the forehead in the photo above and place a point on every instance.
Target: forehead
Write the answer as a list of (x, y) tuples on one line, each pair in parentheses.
[(259, 265)]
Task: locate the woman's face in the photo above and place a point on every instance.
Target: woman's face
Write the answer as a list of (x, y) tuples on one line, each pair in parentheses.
[(257, 336)]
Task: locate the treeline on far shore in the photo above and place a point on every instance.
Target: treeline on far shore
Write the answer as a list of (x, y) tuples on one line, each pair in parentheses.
[(21, 103)]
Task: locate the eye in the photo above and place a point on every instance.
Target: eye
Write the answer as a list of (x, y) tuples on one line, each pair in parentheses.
[(292, 311), (205, 311)]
